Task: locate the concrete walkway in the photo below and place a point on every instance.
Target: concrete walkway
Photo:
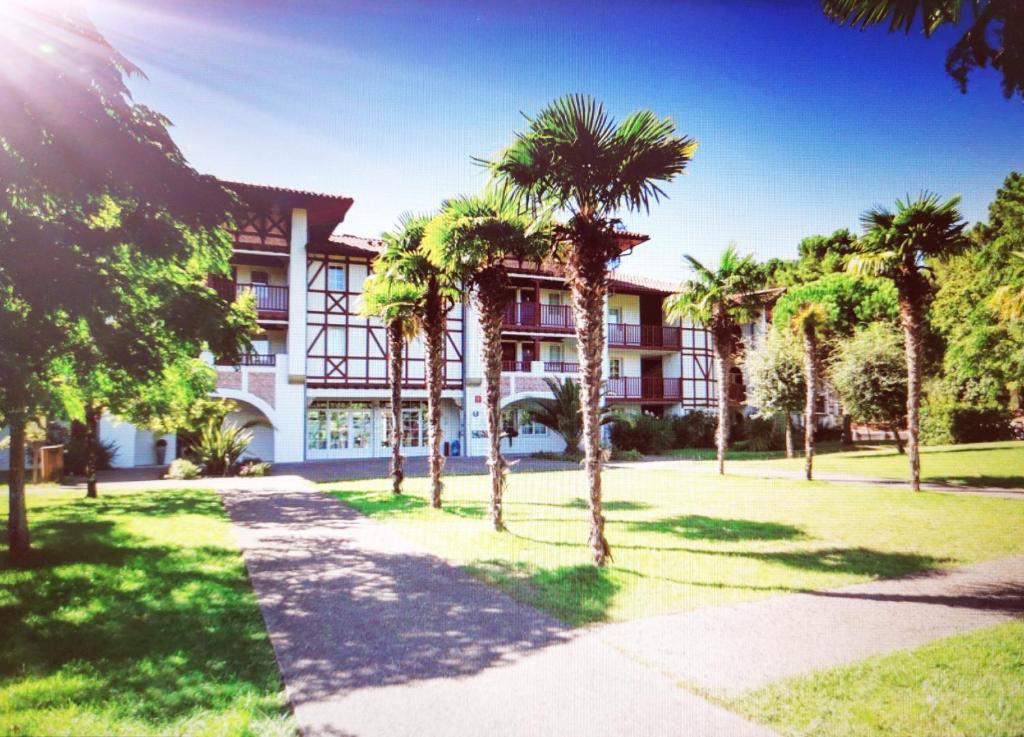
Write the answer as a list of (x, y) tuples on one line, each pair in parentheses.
[(375, 637)]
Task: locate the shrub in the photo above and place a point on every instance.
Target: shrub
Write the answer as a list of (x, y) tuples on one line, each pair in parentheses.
[(828, 434), (694, 430), (220, 446), (75, 455), (181, 469), (764, 434), (254, 467), (644, 433), (626, 455), (951, 422)]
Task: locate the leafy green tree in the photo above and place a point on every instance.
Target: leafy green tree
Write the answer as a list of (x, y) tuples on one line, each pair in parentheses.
[(574, 156), (1008, 299), (776, 383), (96, 196), (820, 255), (470, 239), (823, 312), (562, 412), (722, 300), (404, 260), (869, 373), (901, 246), (994, 33), (396, 302)]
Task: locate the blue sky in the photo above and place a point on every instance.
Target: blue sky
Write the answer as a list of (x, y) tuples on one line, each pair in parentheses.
[(802, 124)]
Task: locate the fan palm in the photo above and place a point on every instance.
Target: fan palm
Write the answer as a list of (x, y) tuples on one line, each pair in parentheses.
[(721, 300), (808, 322), (470, 239), (396, 302), (575, 157), (404, 261), (562, 412), (898, 246)]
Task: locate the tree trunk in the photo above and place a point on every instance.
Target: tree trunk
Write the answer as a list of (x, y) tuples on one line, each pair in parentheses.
[(433, 335), (811, 377), (911, 319), (491, 299), (847, 429), (789, 435), (587, 273), (895, 427), (92, 445), (17, 521), (723, 365), (396, 342)]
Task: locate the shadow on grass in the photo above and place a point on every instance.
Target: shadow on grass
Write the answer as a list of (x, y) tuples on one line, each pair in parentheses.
[(609, 506), (376, 504), (999, 482), (697, 527), (575, 594), (134, 630)]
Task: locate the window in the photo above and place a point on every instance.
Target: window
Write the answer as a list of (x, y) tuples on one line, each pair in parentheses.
[(555, 298), (261, 346), (413, 425), (336, 341), (615, 315), (333, 425), (615, 368), (260, 277), (519, 420), (555, 352), (336, 278)]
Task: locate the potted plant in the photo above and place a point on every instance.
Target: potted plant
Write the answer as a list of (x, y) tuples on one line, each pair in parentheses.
[(161, 451)]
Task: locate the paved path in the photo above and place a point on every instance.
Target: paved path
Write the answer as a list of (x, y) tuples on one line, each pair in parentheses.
[(374, 637), (729, 649)]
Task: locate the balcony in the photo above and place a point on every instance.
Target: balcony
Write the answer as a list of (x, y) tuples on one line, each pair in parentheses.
[(271, 301), (533, 316), (644, 389), (546, 367), (251, 359), (655, 337)]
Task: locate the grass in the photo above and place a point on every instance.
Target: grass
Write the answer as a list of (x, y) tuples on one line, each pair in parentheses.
[(965, 685), (684, 538), (980, 464), (134, 616)]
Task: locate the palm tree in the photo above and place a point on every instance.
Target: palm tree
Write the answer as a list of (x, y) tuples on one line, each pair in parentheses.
[(470, 239), (396, 303), (574, 157), (807, 323), (404, 260), (562, 412), (898, 245), (721, 300)]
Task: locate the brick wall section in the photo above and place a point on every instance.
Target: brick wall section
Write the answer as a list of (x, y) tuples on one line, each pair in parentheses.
[(229, 380), (261, 384)]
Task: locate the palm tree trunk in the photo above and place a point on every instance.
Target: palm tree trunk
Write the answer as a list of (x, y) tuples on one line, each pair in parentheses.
[(911, 318), (587, 274), (395, 346), (92, 444), (17, 520), (789, 435), (433, 337), (723, 365), (811, 377), (491, 299)]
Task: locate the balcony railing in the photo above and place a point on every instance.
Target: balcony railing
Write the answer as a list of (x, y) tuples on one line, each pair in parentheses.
[(561, 367), (250, 359), (665, 337), (271, 301), (521, 366), (645, 388), (550, 367), (554, 318)]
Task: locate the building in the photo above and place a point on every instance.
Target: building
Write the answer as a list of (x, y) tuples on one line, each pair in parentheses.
[(317, 376)]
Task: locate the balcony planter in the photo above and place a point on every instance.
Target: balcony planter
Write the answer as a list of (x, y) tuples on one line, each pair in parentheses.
[(161, 451)]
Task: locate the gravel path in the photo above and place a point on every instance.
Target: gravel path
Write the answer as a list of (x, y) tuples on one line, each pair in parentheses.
[(730, 649), (375, 637)]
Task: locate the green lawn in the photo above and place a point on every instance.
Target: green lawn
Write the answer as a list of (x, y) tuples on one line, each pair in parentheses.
[(966, 685), (686, 538), (134, 617), (980, 464)]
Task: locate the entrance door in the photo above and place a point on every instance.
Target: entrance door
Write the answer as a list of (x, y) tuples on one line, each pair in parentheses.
[(508, 356), (529, 310), (651, 384), (339, 430), (529, 355)]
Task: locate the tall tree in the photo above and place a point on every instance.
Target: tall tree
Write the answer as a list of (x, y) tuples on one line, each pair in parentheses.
[(821, 313), (470, 239), (396, 302), (721, 299), (575, 156), (95, 191), (994, 32), (404, 260), (776, 380), (901, 246)]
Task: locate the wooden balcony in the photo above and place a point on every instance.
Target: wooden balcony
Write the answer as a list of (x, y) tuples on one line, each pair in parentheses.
[(251, 359), (533, 316), (271, 301), (655, 337), (550, 367), (644, 389)]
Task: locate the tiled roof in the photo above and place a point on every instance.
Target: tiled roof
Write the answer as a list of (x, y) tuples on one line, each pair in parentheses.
[(358, 243), (622, 279), (284, 190)]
